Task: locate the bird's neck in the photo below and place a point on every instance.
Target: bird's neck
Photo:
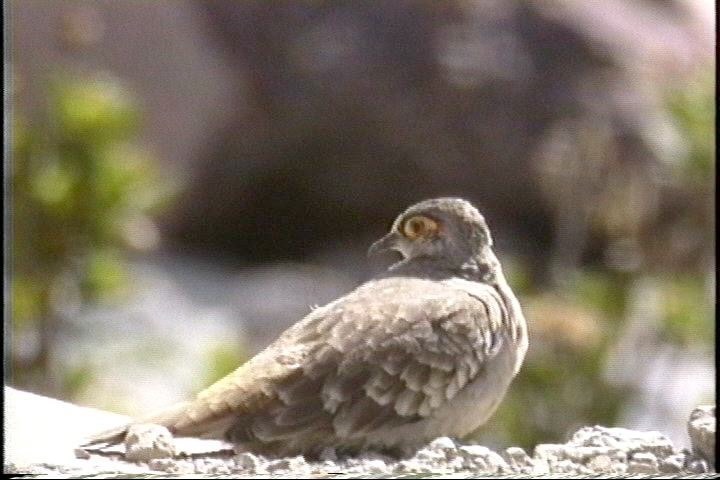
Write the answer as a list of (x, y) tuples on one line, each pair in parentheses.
[(484, 267), (481, 267)]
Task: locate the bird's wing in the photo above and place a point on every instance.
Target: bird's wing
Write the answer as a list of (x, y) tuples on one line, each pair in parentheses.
[(388, 353)]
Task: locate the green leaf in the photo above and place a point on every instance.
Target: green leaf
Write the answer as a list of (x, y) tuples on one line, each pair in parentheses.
[(105, 274)]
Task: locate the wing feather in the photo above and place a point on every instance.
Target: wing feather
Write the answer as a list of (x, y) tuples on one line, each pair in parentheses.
[(388, 354)]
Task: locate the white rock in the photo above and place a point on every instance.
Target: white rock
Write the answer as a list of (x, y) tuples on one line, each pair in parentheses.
[(623, 439), (145, 442), (479, 458), (289, 464), (162, 464), (697, 466), (376, 466), (701, 429), (643, 462), (412, 466), (601, 463), (442, 443), (249, 462), (549, 451), (44, 430), (673, 463)]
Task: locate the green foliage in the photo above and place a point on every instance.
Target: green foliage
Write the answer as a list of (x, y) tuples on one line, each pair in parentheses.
[(78, 178), (105, 272), (25, 304), (693, 108), (222, 359), (76, 379), (94, 111), (687, 315), (518, 275), (555, 393), (603, 291)]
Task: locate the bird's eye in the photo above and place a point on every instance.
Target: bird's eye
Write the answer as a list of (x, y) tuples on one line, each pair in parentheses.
[(420, 226)]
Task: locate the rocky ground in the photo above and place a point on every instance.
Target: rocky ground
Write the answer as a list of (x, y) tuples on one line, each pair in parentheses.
[(591, 450)]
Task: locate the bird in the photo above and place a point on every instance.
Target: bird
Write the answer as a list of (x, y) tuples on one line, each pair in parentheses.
[(425, 349)]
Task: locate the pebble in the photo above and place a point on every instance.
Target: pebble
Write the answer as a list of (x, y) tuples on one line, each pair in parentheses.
[(444, 444), (643, 463), (82, 453), (701, 429), (672, 464), (479, 458), (376, 466), (246, 461), (630, 441), (519, 461), (601, 463), (697, 466), (145, 442), (287, 465)]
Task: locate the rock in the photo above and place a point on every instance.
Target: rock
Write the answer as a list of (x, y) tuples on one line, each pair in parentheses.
[(442, 444), (81, 453), (549, 451), (145, 442), (701, 429), (591, 450), (481, 459), (518, 460), (218, 467), (629, 441), (412, 466), (672, 464), (643, 463), (601, 463), (161, 464), (294, 465), (45, 430), (429, 455), (170, 465), (585, 459), (566, 466), (194, 447), (440, 453), (249, 463), (211, 466), (584, 455), (540, 467), (697, 465), (376, 466)]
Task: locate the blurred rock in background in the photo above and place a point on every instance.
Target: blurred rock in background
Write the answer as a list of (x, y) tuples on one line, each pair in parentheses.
[(298, 130)]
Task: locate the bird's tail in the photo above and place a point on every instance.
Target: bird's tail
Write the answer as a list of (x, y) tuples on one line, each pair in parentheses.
[(166, 417)]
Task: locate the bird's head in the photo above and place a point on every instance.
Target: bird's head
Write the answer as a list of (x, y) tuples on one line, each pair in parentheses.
[(446, 229)]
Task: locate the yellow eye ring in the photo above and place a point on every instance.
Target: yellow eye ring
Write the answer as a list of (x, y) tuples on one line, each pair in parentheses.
[(419, 226)]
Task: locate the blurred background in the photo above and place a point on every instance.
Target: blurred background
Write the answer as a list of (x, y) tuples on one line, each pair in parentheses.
[(188, 178)]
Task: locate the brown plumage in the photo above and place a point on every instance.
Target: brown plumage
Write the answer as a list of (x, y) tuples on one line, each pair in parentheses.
[(426, 349)]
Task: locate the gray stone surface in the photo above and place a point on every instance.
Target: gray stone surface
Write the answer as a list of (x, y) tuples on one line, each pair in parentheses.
[(43, 434), (145, 442), (701, 429), (43, 430)]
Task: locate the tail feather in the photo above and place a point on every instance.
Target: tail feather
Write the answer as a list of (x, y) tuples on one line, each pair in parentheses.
[(105, 439), (166, 417)]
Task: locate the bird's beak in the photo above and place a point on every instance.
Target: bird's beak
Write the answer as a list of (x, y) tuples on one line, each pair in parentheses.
[(388, 242)]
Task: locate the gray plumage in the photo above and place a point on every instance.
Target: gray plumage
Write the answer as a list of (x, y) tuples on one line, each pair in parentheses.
[(426, 349)]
